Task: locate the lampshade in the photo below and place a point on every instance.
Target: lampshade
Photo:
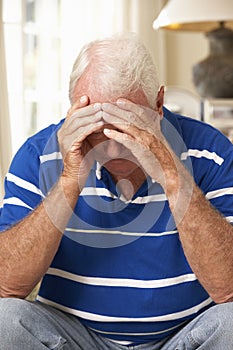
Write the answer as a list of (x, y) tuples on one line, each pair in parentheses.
[(195, 15), (213, 76)]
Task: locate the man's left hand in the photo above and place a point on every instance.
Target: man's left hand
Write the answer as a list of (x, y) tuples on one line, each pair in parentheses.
[(140, 132)]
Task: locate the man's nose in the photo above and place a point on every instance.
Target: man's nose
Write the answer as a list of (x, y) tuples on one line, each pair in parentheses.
[(113, 148)]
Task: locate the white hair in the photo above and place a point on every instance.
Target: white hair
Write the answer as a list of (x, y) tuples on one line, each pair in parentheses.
[(122, 65)]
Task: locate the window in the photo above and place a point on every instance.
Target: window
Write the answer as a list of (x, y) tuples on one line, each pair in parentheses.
[(42, 39), (41, 63)]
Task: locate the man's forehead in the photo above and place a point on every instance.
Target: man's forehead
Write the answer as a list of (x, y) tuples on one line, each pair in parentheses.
[(88, 85)]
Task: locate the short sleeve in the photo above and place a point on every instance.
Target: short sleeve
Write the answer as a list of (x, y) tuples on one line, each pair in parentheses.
[(22, 190), (213, 171)]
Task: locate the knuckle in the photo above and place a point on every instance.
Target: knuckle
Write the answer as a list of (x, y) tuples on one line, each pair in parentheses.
[(140, 111), (132, 118)]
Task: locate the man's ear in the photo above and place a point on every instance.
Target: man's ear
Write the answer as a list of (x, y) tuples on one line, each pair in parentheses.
[(160, 101)]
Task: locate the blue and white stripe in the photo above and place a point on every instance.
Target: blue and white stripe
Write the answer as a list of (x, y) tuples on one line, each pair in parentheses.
[(142, 290)]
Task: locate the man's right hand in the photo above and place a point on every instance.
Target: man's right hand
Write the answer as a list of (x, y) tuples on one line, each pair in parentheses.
[(37, 237), (82, 120)]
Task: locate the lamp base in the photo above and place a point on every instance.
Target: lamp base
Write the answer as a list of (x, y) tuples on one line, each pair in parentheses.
[(213, 77)]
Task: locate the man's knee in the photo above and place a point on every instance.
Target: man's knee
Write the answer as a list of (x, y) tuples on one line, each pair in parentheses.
[(223, 314), (23, 325), (12, 311), (12, 308)]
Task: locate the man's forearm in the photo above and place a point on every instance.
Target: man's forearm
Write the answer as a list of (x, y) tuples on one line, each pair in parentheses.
[(27, 249), (206, 237)]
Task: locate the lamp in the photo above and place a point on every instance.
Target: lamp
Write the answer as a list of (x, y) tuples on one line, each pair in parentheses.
[(213, 76)]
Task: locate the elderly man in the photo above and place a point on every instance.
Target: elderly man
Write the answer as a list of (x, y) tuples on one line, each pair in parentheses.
[(123, 210)]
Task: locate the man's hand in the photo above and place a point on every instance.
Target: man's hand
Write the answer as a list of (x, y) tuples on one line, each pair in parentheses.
[(201, 228), (140, 133), (82, 119)]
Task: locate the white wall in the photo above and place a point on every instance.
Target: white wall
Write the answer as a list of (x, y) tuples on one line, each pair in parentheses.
[(181, 50)]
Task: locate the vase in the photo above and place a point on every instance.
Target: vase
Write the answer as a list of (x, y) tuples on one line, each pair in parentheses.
[(213, 77)]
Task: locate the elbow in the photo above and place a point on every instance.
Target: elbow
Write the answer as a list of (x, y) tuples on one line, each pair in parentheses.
[(227, 299), (223, 298), (13, 294), (9, 292)]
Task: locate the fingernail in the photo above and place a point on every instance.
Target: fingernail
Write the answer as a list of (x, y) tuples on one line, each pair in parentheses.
[(97, 106), (120, 102), (107, 131), (83, 99)]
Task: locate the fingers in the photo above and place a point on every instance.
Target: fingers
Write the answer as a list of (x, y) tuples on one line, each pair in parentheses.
[(121, 119), (140, 151), (116, 111), (84, 111), (82, 119), (130, 106), (77, 133), (82, 108), (147, 115), (82, 101), (142, 111), (128, 113), (135, 139), (122, 138)]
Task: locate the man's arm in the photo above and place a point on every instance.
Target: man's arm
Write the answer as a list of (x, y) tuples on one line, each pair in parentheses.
[(207, 238), (27, 248)]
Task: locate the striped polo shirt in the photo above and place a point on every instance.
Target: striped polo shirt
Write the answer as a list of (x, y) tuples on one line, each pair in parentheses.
[(120, 267)]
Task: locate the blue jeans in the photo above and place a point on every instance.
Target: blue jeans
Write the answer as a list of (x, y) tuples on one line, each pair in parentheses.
[(28, 325)]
